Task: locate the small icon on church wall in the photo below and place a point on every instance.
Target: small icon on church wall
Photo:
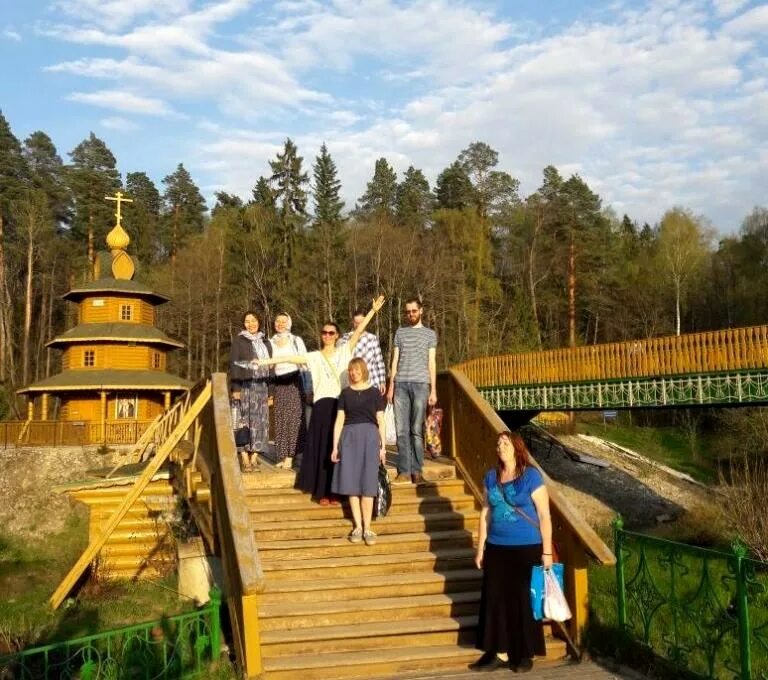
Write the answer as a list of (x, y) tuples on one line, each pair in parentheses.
[(126, 407)]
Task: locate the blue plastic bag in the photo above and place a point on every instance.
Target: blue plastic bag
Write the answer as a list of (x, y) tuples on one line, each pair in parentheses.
[(537, 587)]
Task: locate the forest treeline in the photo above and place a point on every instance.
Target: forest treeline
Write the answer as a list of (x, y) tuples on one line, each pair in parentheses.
[(497, 271)]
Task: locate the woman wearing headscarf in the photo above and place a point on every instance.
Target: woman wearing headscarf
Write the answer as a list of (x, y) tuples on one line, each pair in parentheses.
[(248, 385), (328, 366), (290, 427)]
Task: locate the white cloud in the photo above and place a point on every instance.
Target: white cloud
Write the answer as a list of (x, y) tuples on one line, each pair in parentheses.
[(119, 124), (726, 8), (754, 21), (11, 34), (657, 105), (120, 100)]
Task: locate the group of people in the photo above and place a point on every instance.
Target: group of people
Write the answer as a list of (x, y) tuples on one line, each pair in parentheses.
[(344, 444)]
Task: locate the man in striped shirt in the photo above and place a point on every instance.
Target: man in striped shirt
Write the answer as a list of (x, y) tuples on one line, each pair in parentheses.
[(369, 350), (412, 388)]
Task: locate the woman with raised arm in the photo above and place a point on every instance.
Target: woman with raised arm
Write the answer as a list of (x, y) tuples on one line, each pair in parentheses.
[(358, 448), (328, 366), (515, 534)]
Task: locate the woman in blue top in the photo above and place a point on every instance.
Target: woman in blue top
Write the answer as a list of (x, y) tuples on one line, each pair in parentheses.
[(515, 534)]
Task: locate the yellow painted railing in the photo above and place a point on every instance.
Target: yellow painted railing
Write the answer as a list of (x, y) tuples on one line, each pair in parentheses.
[(96, 543), (69, 433), (215, 458), (209, 457), (471, 428), (736, 349)]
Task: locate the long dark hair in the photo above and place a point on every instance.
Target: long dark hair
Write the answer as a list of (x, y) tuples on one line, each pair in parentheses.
[(522, 457)]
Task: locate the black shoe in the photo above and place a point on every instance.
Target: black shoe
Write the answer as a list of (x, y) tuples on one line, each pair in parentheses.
[(525, 666), (487, 662)]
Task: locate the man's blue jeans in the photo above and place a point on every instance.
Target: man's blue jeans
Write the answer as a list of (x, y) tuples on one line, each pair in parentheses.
[(410, 410)]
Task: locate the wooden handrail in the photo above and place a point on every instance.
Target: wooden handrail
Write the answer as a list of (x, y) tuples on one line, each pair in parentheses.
[(471, 428), (161, 455), (236, 544), (738, 349)]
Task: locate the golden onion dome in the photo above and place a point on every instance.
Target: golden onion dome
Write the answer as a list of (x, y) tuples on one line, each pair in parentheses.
[(118, 238)]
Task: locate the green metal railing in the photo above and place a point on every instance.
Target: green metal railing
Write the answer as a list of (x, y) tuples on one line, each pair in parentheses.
[(704, 612), (182, 646)]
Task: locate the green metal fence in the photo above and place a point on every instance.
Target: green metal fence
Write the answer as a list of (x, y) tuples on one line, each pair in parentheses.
[(704, 612), (176, 647)]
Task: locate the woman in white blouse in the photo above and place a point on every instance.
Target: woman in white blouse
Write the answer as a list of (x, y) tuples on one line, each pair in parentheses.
[(328, 366), (290, 427)]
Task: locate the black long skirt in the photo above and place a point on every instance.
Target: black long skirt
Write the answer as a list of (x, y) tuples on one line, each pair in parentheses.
[(316, 467), (506, 622)]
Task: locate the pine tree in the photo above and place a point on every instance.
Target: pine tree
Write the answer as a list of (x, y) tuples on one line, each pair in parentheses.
[(225, 200), (454, 190), (92, 175), (326, 236), (263, 194), (414, 200), (13, 179), (142, 217), (288, 182), (47, 174), (327, 188), (380, 197), (183, 210)]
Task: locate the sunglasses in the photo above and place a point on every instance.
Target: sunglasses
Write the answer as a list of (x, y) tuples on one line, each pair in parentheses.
[(327, 332)]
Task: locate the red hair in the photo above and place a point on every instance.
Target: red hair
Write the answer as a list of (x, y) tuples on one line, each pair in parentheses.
[(522, 457)]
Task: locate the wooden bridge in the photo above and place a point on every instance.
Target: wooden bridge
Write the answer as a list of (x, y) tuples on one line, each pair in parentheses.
[(303, 602), (716, 368)]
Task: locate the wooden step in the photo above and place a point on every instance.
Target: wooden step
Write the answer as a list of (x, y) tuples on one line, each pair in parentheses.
[(444, 488), (291, 615), (373, 586), (308, 548), (440, 560), (262, 512), (373, 635), (276, 479), (397, 524), (371, 663)]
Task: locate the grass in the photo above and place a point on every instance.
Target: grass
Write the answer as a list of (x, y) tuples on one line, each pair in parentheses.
[(31, 569), (666, 445)]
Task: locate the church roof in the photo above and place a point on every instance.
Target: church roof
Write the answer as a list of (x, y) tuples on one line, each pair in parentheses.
[(108, 379), (109, 285), (114, 332)]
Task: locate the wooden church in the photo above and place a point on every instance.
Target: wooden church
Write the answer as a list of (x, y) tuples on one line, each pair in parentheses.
[(114, 360)]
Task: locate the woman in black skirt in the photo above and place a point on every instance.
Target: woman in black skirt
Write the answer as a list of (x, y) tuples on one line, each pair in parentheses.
[(358, 448), (515, 534), (328, 366)]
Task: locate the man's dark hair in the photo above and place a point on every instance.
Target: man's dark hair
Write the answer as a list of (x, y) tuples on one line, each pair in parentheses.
[(414, 300), (358, 312)]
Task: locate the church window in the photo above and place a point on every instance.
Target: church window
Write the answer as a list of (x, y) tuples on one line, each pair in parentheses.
[(126, 312), (89, 357)]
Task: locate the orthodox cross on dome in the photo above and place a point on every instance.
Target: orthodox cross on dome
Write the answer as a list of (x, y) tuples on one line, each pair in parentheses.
[(118, 240), (119, 198)]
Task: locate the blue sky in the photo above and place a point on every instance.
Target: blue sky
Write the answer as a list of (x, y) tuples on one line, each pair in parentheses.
[(655, 104)]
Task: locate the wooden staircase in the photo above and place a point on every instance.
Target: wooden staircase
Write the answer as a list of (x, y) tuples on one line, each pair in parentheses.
[(402, 607)]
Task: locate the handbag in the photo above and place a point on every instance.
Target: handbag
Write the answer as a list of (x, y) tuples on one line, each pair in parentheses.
[(390, 430), (434, 447), (555, 605), (383, 500), (240, 429), (541, 579)]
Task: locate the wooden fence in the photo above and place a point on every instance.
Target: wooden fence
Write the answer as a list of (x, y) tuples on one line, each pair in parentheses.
[(70, 433), (735, 349)]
